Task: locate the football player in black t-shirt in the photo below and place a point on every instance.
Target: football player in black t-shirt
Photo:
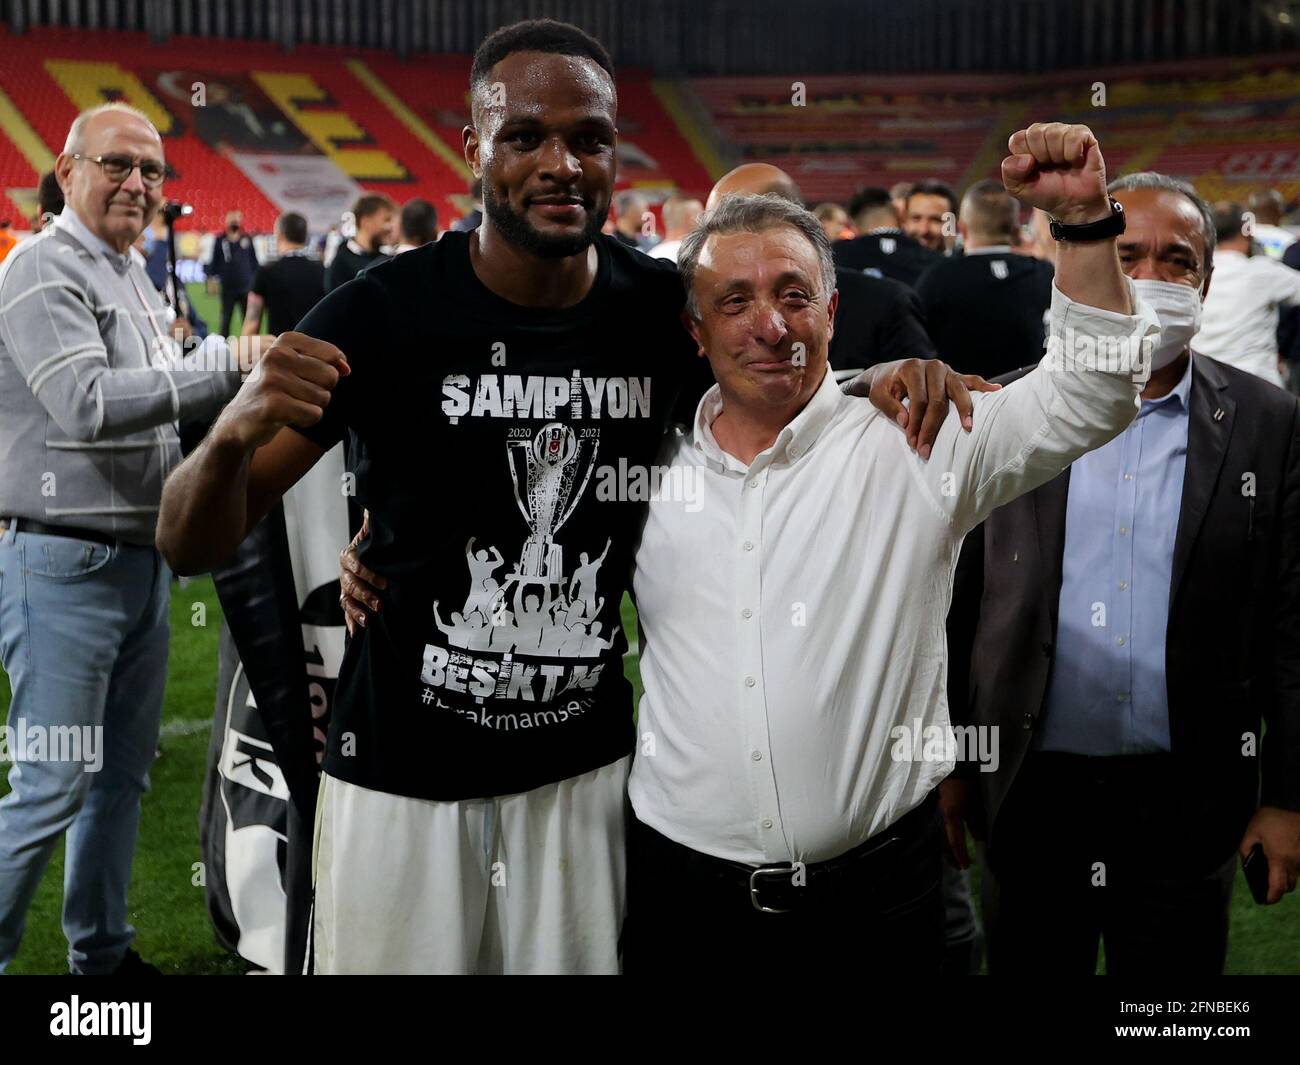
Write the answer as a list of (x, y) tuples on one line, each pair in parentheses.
[(289, 287), (499, 392)]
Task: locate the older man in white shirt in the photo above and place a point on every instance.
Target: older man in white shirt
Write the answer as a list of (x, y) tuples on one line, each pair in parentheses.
[(792, 611)]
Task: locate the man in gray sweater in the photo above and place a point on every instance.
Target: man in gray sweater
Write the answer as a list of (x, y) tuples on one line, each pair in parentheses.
[(91, 390)]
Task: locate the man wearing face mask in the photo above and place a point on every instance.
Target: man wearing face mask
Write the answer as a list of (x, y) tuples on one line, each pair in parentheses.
[(1125, 627)]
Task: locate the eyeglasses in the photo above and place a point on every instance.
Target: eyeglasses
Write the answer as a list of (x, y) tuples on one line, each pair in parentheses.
[(118, 168)]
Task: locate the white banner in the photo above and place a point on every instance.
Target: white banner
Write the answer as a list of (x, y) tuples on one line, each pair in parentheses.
[(309, 184)]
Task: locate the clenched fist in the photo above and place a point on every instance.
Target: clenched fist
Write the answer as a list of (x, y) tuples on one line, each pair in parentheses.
[(290, 385), (1058, 168)]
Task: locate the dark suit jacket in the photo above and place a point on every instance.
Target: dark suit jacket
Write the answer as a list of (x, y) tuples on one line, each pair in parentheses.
[(892, 254), (1233, 641), (877, 320)]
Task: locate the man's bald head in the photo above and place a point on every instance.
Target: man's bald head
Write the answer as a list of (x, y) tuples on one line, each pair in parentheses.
[(1267, 206), (115, 210), (91, 127), (755, 179)]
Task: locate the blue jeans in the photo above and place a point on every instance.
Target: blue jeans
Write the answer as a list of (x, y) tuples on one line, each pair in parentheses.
[(83, 636)]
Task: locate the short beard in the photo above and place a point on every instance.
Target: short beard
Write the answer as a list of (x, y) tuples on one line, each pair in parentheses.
[(520, 232)]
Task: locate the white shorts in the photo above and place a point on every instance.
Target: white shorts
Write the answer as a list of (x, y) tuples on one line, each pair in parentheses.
[(527, 883)]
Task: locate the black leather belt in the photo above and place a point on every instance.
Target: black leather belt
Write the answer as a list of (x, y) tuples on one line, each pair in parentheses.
[(774, 888), (31, 525)]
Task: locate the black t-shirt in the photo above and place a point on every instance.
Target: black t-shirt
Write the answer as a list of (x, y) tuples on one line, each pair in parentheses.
[(347, 263), (985, 310), (890, 253), (290, 287), (877, 320), (497, 448)]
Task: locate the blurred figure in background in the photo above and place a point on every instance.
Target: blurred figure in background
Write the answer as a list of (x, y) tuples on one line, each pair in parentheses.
[(232, 265), (1036, 238), (928, 206), (680, 212), (883, 250), (1267, 232), (49, 202), (836, 221), (630, 209), (7, 239), (417, 226), (473, 216), (374, 215), (986, 308), (898, 197), (1240, 315), (289, 287)]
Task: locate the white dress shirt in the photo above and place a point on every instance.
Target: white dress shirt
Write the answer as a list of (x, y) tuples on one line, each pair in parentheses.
[(1239, 317), (792, 611)]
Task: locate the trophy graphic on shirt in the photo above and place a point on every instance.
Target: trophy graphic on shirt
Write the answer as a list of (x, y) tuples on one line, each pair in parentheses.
[(550, 473)]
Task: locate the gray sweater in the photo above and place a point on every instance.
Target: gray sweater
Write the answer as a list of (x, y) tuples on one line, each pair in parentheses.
[(88, 410)]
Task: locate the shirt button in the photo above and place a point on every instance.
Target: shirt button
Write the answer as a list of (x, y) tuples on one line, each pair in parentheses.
[(767, 822), (1128, 477), (748, 545), (1120, 640), (757, 756), (746, 613), (750, 682), (1121, 697), (1123, 586), (794, 451), (753, 483), (1123, 530)]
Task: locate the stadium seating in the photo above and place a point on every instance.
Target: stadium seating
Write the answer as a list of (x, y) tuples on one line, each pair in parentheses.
[(387, 126), (1228, 126), (394, 126)]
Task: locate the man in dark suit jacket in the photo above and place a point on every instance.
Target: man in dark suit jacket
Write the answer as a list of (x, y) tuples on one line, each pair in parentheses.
[(883, 250), (234, 259), (1124, 628), (985, 309)]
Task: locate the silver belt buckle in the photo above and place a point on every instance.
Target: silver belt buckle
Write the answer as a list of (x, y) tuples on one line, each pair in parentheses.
[(769, 871)]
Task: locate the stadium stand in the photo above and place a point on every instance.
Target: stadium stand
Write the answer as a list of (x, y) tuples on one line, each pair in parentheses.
[(318, 125), (323, 123), (1227, 126)]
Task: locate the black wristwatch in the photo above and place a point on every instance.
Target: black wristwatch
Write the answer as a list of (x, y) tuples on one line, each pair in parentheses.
[(1103, 229)]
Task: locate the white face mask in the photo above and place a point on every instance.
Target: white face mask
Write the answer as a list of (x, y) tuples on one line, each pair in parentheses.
[(1179, 309)]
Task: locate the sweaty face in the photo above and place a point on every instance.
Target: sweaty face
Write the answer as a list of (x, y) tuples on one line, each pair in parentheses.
[(765, 322), (924, 219), (115, 211), (544, 145), (1163, 238)]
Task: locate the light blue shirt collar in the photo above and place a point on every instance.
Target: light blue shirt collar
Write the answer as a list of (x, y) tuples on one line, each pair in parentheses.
[(1180, 391)]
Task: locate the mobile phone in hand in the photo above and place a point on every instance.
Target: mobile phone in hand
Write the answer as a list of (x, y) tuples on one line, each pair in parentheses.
[(1255, 867)]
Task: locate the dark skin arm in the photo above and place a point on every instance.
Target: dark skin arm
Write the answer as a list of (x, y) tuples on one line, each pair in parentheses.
[(250, 457)]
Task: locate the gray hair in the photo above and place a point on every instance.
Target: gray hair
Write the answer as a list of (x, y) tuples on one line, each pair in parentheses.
[(1151, 179), (740, 213), (77, 131)]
